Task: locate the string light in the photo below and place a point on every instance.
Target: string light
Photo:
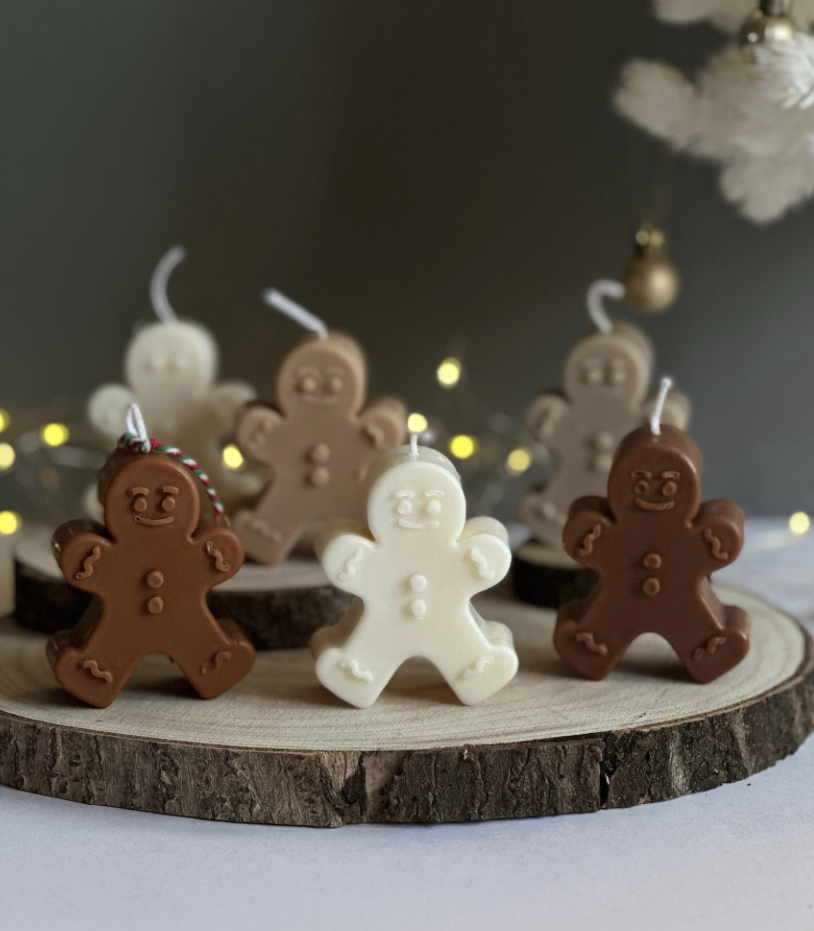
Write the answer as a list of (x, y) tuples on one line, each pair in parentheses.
[(7, 456), (448, 372), (54, 434), (232, 457), (463, 446), (799, 522), (518, 460), (9, 523), (417, 423), (5, 419)]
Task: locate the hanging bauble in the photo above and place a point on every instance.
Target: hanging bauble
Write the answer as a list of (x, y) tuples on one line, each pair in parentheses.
[(651, 280), (767, 25)]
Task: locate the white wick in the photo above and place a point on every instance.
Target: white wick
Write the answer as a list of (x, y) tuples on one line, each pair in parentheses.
[(655, 419), (158, 283), (413, 444), (134, 424), (294, 310), (597, 292)]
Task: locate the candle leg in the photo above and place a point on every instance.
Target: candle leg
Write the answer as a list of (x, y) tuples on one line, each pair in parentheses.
[(270, 532), (95, 670), (581, 638), (709, 647), (542, 516), (219, 657)]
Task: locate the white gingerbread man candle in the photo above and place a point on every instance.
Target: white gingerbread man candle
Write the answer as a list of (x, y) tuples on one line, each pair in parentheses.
[(171, 371), (413, 574)]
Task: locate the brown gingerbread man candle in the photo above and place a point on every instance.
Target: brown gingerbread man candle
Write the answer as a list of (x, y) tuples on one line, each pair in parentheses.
[(150, 567), (654, 546), (320, 440)]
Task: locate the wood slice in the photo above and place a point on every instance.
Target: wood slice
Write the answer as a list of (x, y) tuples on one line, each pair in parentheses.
[(278, 606), (279, 749), (549, 577)]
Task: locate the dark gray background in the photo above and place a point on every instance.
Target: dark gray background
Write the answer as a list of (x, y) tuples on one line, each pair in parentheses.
[(415, 171)]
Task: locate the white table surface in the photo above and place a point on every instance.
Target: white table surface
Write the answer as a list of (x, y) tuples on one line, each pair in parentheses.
[(741, 856)]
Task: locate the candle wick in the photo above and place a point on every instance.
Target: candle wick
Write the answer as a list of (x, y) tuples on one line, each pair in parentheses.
[(134, 424), (658, 407), (158, 283), (597, 292), (414, 445), (296, 312)]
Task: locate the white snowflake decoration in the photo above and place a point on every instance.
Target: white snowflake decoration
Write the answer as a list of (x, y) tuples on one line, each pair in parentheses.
[(725, 14)]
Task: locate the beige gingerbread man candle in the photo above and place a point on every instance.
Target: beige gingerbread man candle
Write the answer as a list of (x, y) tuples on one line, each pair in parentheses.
[(413, 572), (603, 398), (320, 441), (171, 373)]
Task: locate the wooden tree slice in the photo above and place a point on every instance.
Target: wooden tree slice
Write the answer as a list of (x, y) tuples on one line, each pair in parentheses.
[(278, 606), (279, 749), (548, 577)]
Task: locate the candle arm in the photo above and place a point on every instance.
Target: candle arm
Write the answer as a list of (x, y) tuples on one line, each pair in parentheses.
[(223, 553), (82, 550), (545, 415), (343, 548), (721, 525), (487, 558), (107, 409), (587, 530), (255, 428), (384, 422)]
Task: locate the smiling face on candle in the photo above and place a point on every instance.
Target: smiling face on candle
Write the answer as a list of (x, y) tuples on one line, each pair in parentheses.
[(176, 360), (322, 375), (152, 494), (417, 499), (656, 478), (606, 365)]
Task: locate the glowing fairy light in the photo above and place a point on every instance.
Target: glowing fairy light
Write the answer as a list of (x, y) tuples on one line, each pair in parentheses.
[(232, 457), (5, 419), (417, 423), (463, 446), (799, 522), (10, 522), (518, 460), (7, 456), (55, 434), (448, 372)]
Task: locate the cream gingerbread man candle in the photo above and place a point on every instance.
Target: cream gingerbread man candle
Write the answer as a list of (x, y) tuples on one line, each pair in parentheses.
[(171, 373), (413, 571), (606, 378), (320, 441)]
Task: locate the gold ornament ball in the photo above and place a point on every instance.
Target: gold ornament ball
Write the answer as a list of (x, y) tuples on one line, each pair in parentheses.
[(768, 25), (651, 281)]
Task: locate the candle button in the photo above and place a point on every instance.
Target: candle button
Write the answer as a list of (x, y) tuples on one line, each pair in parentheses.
[(155, 605), (155, 579), (319, 453), (652, 561), (319, 477), (602, 462), (419, 608), (418, 583), (604, 441), (651, 587)]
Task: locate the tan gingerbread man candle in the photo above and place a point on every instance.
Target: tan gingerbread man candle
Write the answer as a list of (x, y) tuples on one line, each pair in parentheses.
[(604, 397), (150, 567), (320, 441), (654, 546)]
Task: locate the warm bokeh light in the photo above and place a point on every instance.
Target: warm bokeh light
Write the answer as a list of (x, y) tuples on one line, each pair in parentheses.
[(449, 372), (417, 423), (9, 522), (7, 456), (518, 460), (799, 522), (463, 446), (232, 457), (5, 419), (55, 434)]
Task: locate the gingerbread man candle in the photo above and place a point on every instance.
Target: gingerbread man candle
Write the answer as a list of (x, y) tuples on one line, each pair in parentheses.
[(320, 441), (171, 372), (605, 382), (413, 574), (150, 567), (654, 547)]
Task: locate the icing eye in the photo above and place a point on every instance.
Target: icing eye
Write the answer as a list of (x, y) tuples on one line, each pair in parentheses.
[(669, 489), (168, 504), (139, 503), (616, 373), (404, 506), (641, 487), (307, 384), (333, 384), (592, 375), (434, 507)]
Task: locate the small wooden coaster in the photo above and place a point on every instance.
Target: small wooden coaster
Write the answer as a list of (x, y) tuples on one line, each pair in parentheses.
[(548, 577), (279, 749), (279, 607)]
